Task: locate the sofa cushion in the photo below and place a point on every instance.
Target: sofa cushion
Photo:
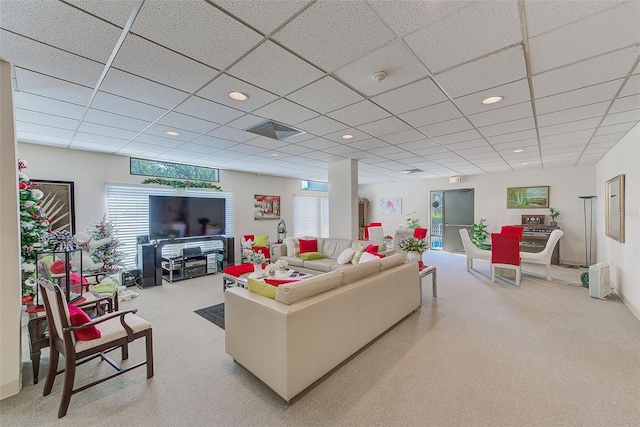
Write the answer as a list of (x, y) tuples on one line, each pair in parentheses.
[(293, 261), (391, 261), (368, 257), (293, 247), (307, 256), (293, 292), (322, 264), (357, 272), (308, 245), (262, 288), (357, 255), (333, 247), (346, 255)]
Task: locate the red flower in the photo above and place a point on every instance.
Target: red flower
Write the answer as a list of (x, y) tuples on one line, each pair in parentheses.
[(35, 216), (23, 185)]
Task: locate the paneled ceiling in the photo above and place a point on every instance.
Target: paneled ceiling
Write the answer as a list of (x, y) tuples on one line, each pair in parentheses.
[(115, 76)]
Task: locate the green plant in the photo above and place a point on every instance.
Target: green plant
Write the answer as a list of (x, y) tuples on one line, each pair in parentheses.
[(181, 184), (413, 244), (554, 214), (480, 235), (412, 221)]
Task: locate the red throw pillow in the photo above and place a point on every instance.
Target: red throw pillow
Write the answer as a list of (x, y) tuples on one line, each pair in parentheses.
[(372, 249), (278, 282), (79, 317), (310, 245), (377, 254)]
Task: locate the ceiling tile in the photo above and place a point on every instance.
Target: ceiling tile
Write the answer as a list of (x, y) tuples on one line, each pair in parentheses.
[(167, 142), (465, 35), (369, 144), (513, 93), (418, 145), (100, 139), (328, 36), (500, 115), (401, 66), (274, 69), (625, 104), (507, 127), (208, 110), (318, 143), (359, 113), (265, 16), (185, 26), (411, 97), (403, 136), (573, 114), (444, 128), (338, 136), (632, 87), (568, 136), (578, 97), (286, 112), (117, 105), (455, 137), (151, 61), (624, 117), (161, 130), (127, 85), (324, 95), (109, 131), (569, 127), (115, 120), (28, 116), (494, 70), (218, 91), (511, 137), (321, 125), (39, 84), (213, 142), (232, 134), (182, 121), (45, 130), (385, 126), (621, 127), (92, 146), (31, 102), (431, 114), (114, 11)]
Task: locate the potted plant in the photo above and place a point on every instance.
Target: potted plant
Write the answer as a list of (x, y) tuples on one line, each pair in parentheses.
[(480, 235), (412, 222), (414, 247), (554, 215), (255, 258)]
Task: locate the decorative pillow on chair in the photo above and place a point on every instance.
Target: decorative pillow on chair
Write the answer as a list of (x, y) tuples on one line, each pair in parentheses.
[(261, 240), (311, 255), (293, 247), (310, 245), (346, 256), (78, 317), (262, 288)]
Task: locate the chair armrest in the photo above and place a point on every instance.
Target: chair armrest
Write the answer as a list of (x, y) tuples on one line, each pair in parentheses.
[(106, 317)]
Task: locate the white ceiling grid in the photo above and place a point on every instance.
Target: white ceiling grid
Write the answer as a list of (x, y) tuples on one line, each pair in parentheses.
[(571, 89)]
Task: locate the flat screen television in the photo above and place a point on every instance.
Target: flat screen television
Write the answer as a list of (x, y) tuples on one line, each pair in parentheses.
[(174, 216)]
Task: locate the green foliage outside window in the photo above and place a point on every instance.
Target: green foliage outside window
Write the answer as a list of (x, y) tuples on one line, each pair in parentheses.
[(172, 170)]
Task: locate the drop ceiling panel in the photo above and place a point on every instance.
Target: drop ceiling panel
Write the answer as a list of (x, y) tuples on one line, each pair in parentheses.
[(196, 148), (465, 35), (166, 142), (151, 61), (127, 85), (321, 125), (431, 114), (161, 130), (232, 134), (403, 136), (401, 66), (318, 143), (514, 93), (294, 150), (456, 137), (208, 110), (192, 27), (445, 128), (264, 16), (625, 104), (500, 115), (386, 126), (28, 116), (179, 121), (573, 114), (274, 69), (31, 102), (324, 95), (494, 70), (39, 84), (114, 11), (286, 112), (117, 105), (341, 150), (61, 26), (411, 97), (338, 136), (586, 38), (210, 141), (115, 120), (575, 98), (621, 127), (100, 139), (369, 144), (471, 144), (359, 113), (106, 131), (624, 117), (91, 146), (262, 143), (328, 36), (218, 91), (511, 137), (46, 130), (632, 86), (569, 136), (569, 127), (585, 73), (135, 149), (418, 145)]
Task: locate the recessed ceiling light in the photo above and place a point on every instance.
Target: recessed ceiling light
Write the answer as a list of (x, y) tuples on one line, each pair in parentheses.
[(347, 136), (238, 96), (172, 133), (518, 151), (138, 152), (524, 164), (274, 155), (492, 100)]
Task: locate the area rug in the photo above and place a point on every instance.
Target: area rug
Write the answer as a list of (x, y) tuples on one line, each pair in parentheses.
[(214, 314)]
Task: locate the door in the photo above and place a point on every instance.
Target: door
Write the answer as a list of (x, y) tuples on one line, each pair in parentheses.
[(457, 213)]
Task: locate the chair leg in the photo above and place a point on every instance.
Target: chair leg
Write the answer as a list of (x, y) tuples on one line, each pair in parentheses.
[(518, 276), (149, 343), (493, 273), (54, 355), (548, 268), (469, 264), (67, 391), (125, 351)]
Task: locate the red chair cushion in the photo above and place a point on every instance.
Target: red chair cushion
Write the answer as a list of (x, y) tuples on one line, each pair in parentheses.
[(505, 249), (310, 245), (512, 229), (420, 233), (249, 237), (263, 250), (238, 270), (78, 317)]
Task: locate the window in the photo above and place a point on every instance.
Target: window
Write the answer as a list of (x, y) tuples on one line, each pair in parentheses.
[(311, 216), (314, 185), (172, 170), (128, 208)]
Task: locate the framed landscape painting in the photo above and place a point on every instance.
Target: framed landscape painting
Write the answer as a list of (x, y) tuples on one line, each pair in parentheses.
[(527, 197), (266, 207), (58, 203)]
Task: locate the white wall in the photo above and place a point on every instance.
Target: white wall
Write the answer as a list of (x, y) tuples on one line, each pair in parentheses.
[(491, 202), (623, 158)]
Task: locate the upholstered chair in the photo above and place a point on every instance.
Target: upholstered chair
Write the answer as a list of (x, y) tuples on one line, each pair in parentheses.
[(505, 253)]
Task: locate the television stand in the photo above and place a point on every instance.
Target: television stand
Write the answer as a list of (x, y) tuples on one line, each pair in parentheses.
[(189, 266)]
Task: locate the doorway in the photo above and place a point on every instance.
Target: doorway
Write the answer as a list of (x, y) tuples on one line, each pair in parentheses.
[(451, 210)]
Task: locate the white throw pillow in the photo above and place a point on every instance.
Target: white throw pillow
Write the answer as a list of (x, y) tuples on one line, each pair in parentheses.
[(346, 255), (366, 256)]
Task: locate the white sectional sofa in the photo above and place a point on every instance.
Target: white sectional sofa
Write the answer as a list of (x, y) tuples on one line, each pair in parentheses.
[(331, 248), (315, 324)]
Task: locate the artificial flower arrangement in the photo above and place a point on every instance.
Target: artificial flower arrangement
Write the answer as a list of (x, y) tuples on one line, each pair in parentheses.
[(254, 257), (281, 263), (271, 269), (413, 244)]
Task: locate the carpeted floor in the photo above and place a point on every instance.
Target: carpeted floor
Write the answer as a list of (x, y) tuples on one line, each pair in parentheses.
[(214, 314)]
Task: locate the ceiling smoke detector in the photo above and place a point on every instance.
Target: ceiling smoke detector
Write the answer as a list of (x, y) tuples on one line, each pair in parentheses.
[(379, 76), (275, 130)]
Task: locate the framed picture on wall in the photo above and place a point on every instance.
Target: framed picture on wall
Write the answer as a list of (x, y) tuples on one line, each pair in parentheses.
[(391, 206), (528, 197), (58, 202), (266, 207)]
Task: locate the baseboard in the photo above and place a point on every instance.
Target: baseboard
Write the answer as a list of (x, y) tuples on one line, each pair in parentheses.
[(10, 389), (626, 302)]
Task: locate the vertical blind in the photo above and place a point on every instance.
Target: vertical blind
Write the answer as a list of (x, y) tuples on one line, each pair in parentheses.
[(128, 209), (311, 216)]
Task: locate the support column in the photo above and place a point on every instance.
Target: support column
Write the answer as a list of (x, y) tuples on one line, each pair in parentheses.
[(343, 199), (10, 289)]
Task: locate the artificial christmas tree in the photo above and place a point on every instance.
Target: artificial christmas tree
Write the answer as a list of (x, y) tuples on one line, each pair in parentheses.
[(107, 254), (34, 227)]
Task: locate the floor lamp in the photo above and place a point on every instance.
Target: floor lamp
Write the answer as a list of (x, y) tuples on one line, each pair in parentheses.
[(587, 231)]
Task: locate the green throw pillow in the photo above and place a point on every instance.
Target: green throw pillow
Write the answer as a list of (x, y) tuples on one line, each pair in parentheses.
[(262, 288), (261, 240), (357, 255), (311, 255)]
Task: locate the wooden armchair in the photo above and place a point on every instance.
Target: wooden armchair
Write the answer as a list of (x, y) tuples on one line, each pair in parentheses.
[(112, 330)]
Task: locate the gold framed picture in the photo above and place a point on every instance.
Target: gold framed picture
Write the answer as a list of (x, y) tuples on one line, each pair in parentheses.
[(528, 197)]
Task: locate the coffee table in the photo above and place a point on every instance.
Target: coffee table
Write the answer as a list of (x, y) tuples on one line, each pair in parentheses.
[(242, 280)]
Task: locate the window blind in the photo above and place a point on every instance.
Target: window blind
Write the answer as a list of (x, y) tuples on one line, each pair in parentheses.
[(311, 216)]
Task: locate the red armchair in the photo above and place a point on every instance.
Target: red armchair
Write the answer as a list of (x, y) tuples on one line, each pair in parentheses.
[(505, 253)]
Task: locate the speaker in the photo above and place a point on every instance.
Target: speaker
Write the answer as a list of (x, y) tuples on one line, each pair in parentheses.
[(191, 251), (147, 265), (130, 277)]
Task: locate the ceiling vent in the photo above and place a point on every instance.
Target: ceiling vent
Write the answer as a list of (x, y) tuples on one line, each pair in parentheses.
[(408, 171), (275, 130)]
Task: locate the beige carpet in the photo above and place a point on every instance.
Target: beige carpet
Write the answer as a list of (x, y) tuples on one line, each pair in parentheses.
[(481, 354)]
